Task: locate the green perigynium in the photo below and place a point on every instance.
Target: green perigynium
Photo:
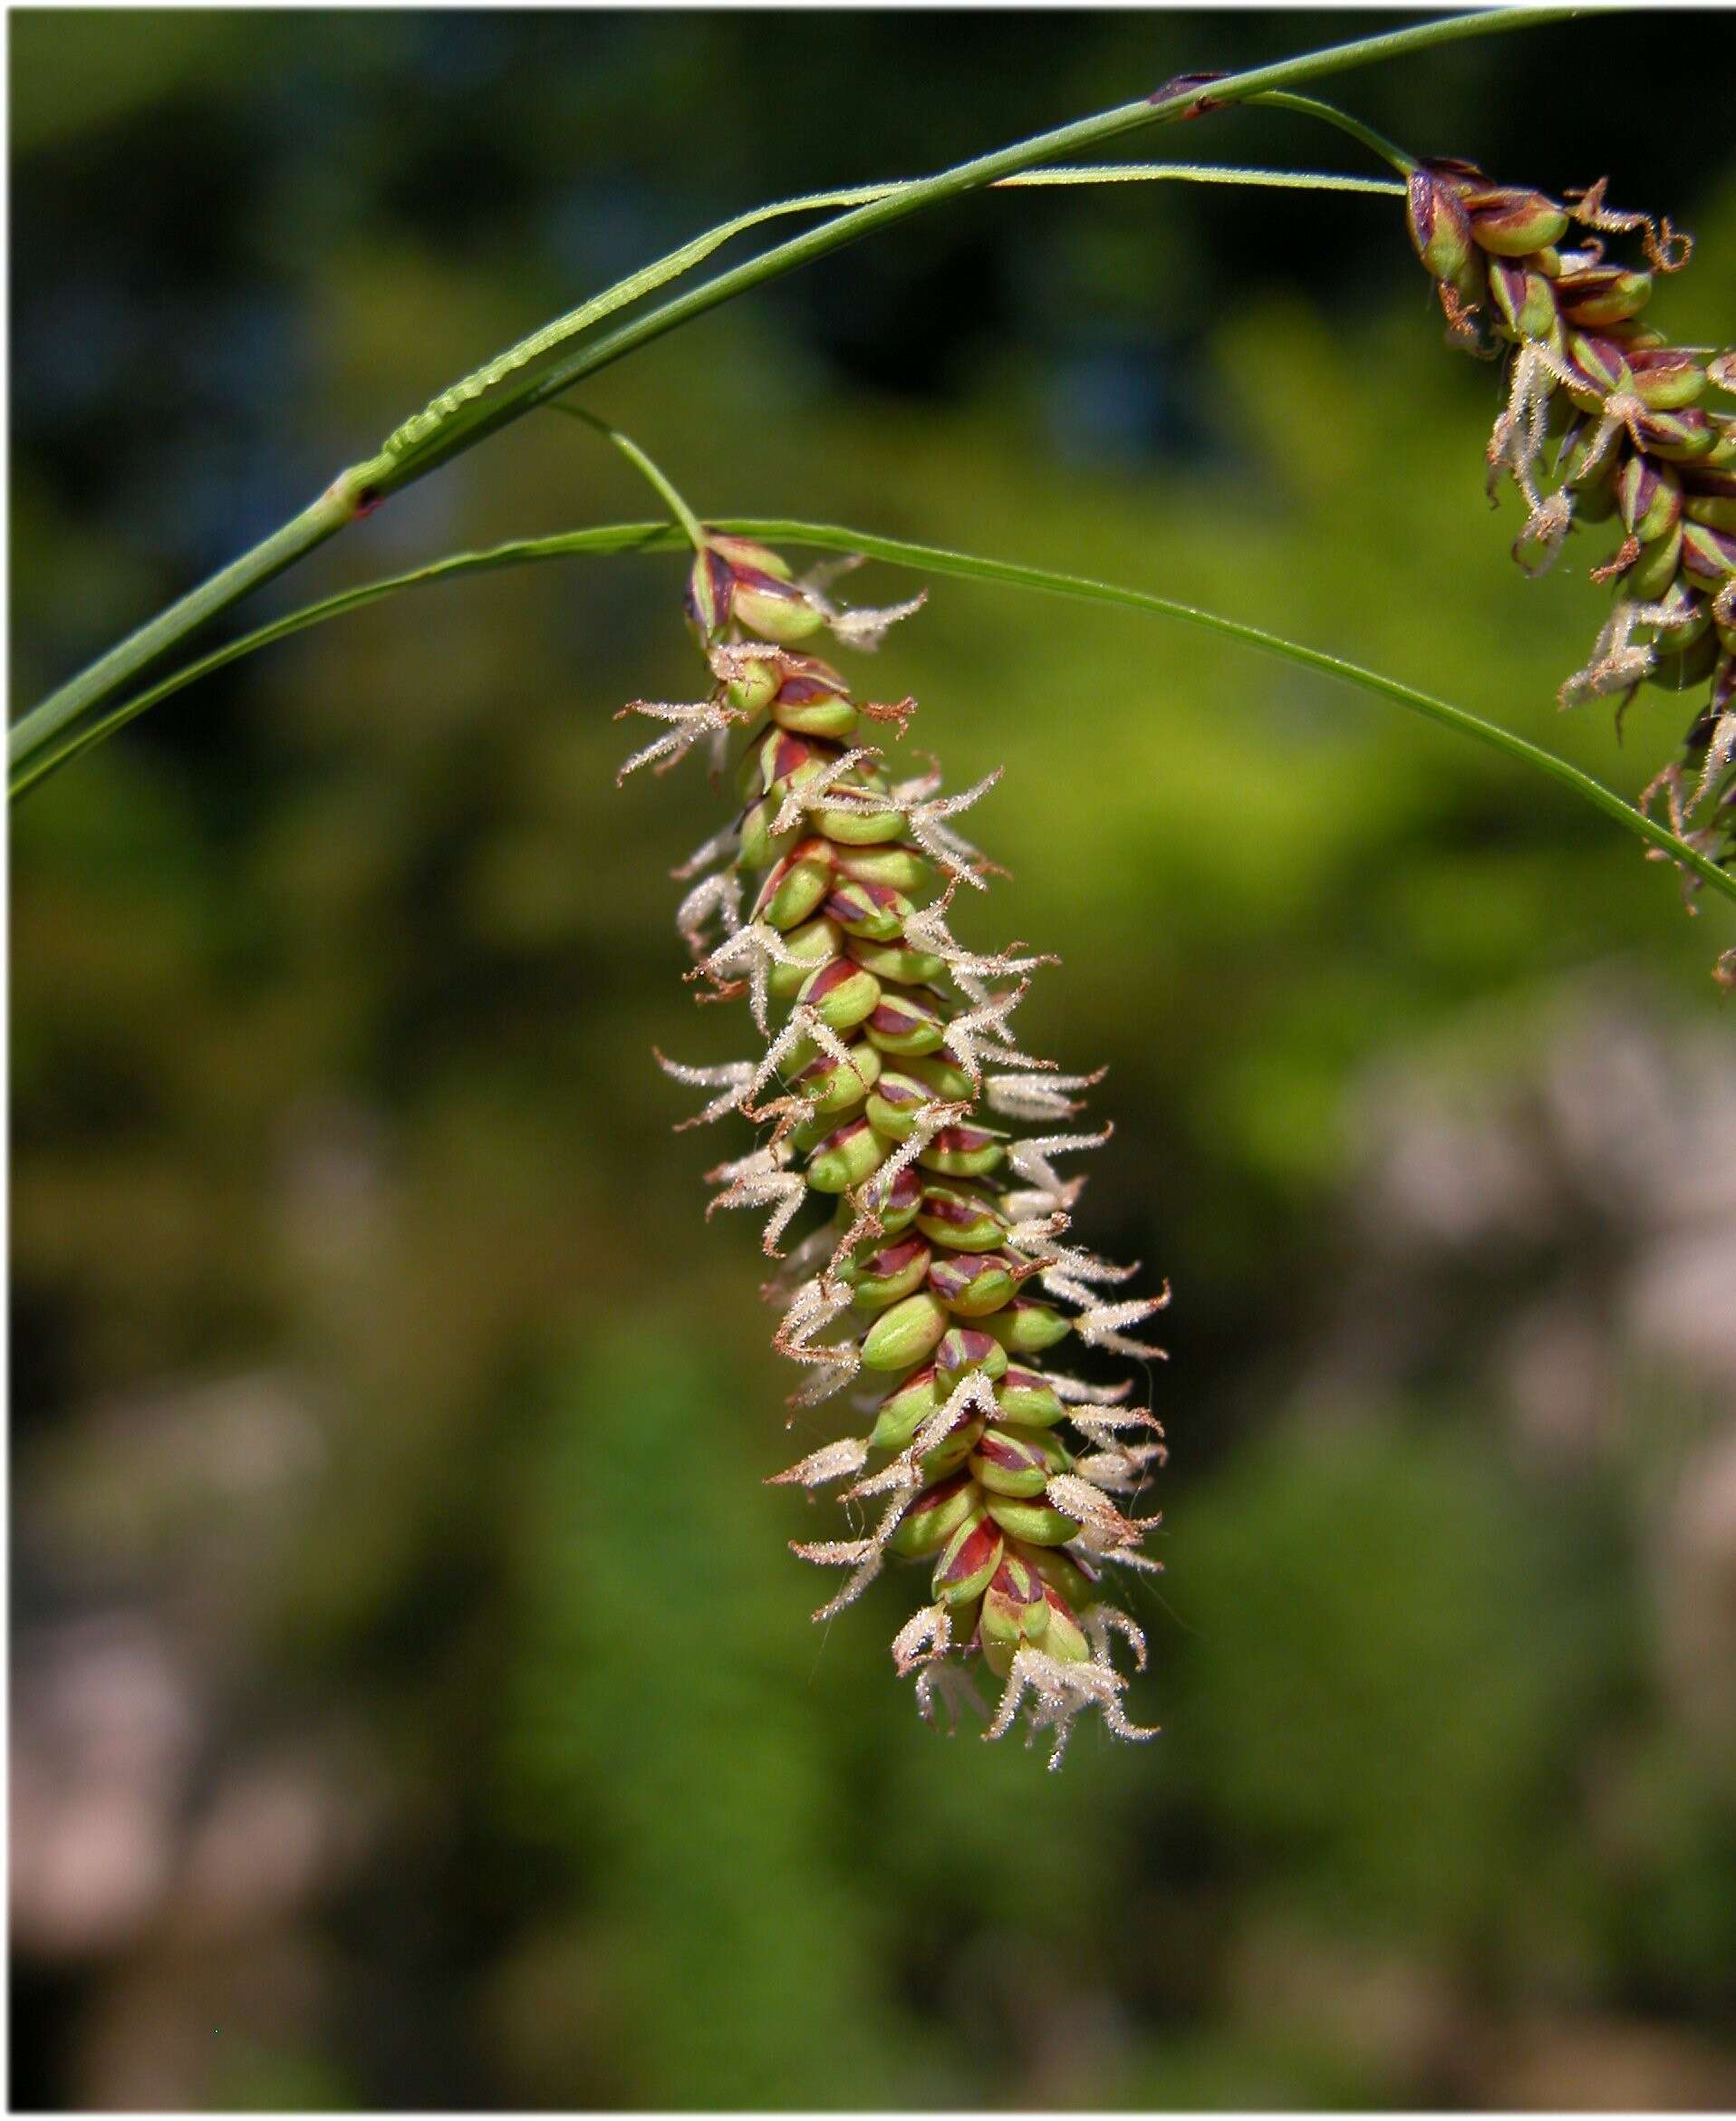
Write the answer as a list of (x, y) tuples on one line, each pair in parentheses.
[(894, 1100), (1604, 421)]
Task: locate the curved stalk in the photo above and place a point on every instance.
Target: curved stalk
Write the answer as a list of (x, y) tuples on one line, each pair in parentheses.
[(1376, 142), (654, 477), (360, 490), (934, 560)]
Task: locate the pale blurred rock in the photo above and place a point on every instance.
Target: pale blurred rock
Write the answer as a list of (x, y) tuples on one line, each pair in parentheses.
[(1681, 1299), (103, 1731)]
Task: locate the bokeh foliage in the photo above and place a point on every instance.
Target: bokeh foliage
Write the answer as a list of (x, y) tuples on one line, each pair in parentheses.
[(373, 1372)]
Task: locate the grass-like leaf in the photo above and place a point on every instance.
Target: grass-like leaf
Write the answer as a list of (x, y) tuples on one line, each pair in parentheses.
[(551, 361), (624, 537)]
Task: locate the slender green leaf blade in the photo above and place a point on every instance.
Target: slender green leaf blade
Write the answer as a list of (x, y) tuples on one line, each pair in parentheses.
[(30, 764)]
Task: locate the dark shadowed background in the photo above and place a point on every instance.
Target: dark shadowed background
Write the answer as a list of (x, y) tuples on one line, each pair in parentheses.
[(413, 1699)]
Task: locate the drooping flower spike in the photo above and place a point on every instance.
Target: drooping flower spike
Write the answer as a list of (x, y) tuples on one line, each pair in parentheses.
[(1605, 421), (888, 1094)]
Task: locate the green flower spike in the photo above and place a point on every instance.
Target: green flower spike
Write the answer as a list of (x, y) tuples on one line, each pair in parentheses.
[(1651, 442), (910, 1148)]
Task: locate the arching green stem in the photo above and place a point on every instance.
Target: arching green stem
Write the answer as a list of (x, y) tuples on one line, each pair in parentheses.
[(933, 559), (357, 491)]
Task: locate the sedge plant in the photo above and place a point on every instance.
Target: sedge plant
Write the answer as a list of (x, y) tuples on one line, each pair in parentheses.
[(912, 1159)]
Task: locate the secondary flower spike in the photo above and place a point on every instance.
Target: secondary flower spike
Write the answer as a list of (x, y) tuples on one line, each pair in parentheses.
[(899, 1116), (1607, 422)]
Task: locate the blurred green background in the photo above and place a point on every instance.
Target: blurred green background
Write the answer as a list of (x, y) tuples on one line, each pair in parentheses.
[(413, 1700)]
